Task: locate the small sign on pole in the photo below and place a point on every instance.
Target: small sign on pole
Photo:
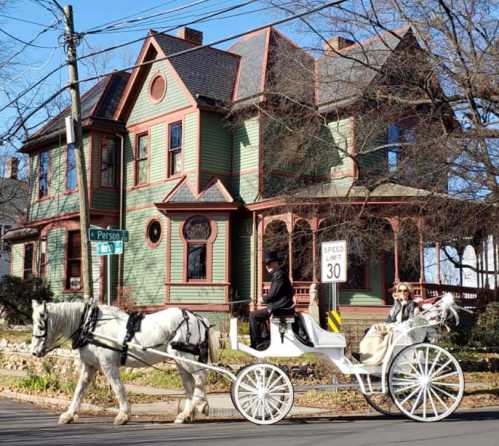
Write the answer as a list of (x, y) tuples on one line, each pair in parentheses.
[(334, 261), (109, 248), (107, 235), (333, 271)]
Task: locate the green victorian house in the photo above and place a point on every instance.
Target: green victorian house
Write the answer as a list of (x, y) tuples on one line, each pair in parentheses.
[(177, 154)]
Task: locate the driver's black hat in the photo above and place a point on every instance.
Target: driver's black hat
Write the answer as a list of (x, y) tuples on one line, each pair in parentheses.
[(270, 257)]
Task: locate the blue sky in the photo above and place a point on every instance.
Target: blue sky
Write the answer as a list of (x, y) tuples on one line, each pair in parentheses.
[(91, 14)]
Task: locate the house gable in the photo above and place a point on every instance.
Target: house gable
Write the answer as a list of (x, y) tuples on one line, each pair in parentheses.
[(136, 104)]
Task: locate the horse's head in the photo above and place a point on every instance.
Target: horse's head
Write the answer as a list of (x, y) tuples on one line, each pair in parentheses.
[(41, 339)]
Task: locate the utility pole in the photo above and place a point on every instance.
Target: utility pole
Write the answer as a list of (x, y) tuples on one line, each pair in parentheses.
[(86, 254)]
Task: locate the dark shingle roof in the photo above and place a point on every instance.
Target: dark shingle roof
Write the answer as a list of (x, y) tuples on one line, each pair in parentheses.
[(252, 51), (345, 77), (100, 101), (207, 72)]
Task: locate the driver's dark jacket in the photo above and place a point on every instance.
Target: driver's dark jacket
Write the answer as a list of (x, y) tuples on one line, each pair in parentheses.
[(280, 294)]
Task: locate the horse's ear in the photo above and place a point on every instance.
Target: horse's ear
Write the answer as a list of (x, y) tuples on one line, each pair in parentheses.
[(34, 303)]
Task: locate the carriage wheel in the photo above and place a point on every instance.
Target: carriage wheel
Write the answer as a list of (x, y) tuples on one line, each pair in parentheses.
[(426, 382), (382, 403), (262, 393)]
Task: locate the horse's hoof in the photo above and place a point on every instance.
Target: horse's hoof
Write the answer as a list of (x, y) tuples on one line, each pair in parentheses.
[(66, 418), (179, 420), (121, 419)]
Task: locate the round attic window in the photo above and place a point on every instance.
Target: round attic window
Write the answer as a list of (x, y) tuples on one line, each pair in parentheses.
[(157, 88)]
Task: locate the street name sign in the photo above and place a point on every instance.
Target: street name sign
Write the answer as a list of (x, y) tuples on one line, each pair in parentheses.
[(334, 261), (109, 248), (107, 235)]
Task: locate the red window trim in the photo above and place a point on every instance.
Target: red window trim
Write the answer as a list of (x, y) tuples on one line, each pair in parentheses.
[(170, 152), (67, 259), (153, 78), (209, 250), (147, 135), (117, 162)]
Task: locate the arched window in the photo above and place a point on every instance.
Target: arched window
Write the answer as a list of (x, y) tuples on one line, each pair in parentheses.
[(197, 232)]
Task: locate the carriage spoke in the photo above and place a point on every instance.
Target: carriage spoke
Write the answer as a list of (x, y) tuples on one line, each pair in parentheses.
[(274, 406), (408, 397), (424, 401), (269, 379), (439, 399), (442, 367), (435, 362), (403, 389), (435, 411), (449, 395), (416, 404), (439, 377)]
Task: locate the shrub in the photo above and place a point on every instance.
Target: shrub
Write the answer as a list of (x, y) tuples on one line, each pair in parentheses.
[(486, 331), (16, 295)]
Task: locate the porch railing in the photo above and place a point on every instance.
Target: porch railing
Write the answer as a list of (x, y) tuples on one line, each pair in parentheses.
[(469, 297)]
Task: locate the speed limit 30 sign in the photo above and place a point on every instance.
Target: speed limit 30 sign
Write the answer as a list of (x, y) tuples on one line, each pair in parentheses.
[(334, 261)]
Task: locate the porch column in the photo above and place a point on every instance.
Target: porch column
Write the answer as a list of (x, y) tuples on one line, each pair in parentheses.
[(421, 251), (395, 224), (314, 225), (289, 223), (261, 226), (437, 257)]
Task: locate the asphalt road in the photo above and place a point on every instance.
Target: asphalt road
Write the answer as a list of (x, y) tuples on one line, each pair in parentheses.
[(24, 424)]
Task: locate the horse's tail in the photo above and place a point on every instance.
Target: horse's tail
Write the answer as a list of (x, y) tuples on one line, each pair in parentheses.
[(212, 349)]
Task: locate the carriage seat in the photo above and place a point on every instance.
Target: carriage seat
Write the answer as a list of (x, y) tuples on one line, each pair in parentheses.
[(284, 313)]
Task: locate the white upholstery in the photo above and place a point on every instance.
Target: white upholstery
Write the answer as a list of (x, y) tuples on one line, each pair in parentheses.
[(322, 338)]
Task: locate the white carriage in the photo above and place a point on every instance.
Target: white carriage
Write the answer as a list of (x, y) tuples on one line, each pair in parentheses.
[(422, 380)]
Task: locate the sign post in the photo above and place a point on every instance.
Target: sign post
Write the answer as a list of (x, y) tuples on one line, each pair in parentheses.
[(334, 271), (109, 242)]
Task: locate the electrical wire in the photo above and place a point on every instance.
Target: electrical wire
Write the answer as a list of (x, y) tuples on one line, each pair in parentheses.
[(24, 42), (214, 43), (121, 45), (26, 21), (141, 19)]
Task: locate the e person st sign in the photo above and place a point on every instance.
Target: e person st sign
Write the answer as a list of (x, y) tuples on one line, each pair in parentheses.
[(334, 261)]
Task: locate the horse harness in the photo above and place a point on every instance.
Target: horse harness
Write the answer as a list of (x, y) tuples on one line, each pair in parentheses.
[(83, 335)]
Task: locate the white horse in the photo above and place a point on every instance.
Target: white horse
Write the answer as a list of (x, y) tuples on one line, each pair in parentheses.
[(54, 321)]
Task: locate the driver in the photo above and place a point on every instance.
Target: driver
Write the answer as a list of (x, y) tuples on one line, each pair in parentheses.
[(280, 296)]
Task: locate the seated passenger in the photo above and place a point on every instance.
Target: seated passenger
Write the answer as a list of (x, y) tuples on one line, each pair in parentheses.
[(280, 296), (378, 338)]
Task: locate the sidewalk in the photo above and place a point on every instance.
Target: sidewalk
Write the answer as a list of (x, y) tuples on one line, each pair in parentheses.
[(220, 404)]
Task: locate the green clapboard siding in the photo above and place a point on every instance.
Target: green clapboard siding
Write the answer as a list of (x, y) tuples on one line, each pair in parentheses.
[(59, 202), (245, 153), (176, 97), (144, 268), (218, 319), (243, 272), (199, 294), (245, 187), (17, 259), (216, 144), (338, 141), (372, 296), (190, 144)]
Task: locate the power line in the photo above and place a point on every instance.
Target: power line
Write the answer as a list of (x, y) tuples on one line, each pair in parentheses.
[(24, 42), (27, 21), (121, 45), (216, 42), (140, 19), (187, 51)]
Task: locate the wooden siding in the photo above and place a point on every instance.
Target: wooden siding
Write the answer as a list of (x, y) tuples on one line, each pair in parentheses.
[(245, 187), (190, 145), (198, 294), (17, 259), (373, 295), (202, 293), (218, 319), (243, 271), (176, 97), (216, 146), (338, 138), (58, 201), (144, 267)]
